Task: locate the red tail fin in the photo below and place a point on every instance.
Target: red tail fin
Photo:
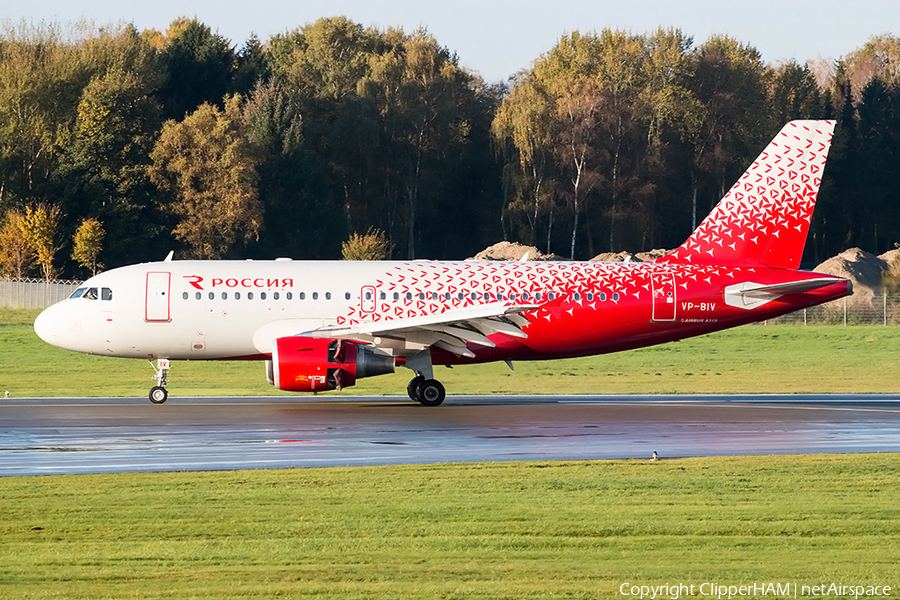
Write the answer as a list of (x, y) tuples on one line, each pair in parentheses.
[(765, 217)]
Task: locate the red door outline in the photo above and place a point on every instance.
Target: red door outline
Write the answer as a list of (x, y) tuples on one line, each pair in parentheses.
[(156, 300), (663, 297), (367, 302)]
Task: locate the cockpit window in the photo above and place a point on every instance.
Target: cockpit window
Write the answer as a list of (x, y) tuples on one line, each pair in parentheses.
[(105, 294), (78, 293), (91, 294)]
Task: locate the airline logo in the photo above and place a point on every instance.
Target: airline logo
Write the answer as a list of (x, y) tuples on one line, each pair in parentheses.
[(243, 282)]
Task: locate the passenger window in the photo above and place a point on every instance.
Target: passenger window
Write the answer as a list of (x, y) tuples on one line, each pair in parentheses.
[(262, 295), (274, 295), (577, 296), (409, 295), (289, 296), (421, 295), (302, 295), (212, 295), (396, 295), (524, 296), (383, 296), (249, 295), (551, 296), (198, 295), (184, 296), (105, 294), (512, 296), (78, 293), (537, 296), (602, 296), (474, 295), (328, 295), (590, 296), (315, 295), (615, 296), (237, 295), (461, 295), (487, 296), (224, 295)]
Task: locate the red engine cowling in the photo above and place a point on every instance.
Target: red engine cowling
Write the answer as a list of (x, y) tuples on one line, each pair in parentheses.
[(303, 364)]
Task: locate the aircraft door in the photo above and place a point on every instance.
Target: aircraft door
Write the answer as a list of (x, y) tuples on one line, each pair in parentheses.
[(663, 297), (156, 305), (367, 302)]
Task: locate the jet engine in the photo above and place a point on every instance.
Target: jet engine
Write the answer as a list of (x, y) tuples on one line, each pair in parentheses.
[(304, 364)]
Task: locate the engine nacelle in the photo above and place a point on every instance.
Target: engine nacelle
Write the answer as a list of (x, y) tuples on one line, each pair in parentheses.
[(304, 364)]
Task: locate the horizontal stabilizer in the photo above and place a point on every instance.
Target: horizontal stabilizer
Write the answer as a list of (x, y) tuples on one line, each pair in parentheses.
[(749, 295)]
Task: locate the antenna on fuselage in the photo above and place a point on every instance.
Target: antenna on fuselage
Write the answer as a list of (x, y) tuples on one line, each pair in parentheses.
[(169, 256)]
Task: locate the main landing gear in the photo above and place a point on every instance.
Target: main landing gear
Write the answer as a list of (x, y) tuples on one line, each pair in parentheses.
[(158, 393), (424, 388), (427, 392)]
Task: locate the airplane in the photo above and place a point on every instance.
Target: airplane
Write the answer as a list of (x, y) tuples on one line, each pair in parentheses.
[(322, 325)]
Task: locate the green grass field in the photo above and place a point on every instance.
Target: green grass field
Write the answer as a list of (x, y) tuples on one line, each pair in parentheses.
[(504, 530), (750, 359)]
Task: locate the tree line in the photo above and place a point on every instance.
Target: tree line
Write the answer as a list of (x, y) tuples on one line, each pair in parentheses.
[(117, 145)]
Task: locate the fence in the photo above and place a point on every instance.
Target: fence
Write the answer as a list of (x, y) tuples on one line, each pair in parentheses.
[(882, 310), (34, 293)]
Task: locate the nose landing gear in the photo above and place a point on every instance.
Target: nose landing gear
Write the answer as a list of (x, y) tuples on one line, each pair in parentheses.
[(158, 393)]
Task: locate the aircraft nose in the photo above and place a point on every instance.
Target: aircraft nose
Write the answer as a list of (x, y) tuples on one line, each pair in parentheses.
[(49, 324)]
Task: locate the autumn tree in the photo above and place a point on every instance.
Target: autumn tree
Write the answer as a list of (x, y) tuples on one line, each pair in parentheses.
[(40, 227), (105, 167), (578, 108), (41, 76), (372, 245), (730, 81), (88, 243), (415, 87), (325, 59), (16, 255), (207, 169), (357, 89), (877, 58), (523, 122)]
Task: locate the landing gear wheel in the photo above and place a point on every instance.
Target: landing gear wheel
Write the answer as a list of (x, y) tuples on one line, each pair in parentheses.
[(431, 393), (413, 388), (158, 394)]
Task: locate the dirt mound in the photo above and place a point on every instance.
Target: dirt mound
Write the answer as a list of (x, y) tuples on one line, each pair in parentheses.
[(513, 251), (653, 254), (625, 255), (616, 257), (860, 267), (892, 258)]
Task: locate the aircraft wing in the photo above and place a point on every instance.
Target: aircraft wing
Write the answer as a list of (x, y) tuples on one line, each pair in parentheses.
[(451, 330)]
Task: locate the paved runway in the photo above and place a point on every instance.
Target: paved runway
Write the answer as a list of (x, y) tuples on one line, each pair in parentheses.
[(112, 435)]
